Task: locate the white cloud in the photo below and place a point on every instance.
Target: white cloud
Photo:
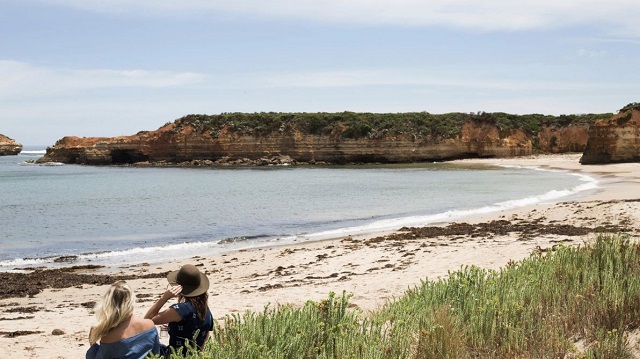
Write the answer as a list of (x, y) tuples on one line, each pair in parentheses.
[(25, 81), (484, 15), (593, 54), (453, 78), (20, 79)]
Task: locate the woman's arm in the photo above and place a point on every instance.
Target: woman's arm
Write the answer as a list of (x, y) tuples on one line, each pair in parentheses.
[(168, 315)]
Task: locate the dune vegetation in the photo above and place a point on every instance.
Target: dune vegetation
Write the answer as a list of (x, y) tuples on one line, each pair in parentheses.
[(568, 302)]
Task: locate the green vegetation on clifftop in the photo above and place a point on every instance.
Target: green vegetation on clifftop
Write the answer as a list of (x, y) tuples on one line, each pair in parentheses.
[(631, 106), (375, 125)]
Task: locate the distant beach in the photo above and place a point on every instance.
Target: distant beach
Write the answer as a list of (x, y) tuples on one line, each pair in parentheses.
[(375, 267)]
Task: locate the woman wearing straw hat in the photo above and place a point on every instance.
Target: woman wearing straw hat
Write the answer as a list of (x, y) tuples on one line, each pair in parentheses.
[(191, 314)]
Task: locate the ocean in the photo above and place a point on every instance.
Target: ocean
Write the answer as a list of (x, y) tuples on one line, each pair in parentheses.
[(52, 215)]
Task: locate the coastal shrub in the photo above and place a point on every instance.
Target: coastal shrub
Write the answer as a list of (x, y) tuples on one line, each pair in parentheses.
[(631, 106), (622, 120), (539, 307), (355, 125)]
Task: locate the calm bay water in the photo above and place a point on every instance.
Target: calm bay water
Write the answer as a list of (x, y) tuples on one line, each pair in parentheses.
[(123, 214)]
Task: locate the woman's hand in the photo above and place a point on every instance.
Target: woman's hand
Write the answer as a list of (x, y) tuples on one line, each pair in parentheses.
[(172, 291)]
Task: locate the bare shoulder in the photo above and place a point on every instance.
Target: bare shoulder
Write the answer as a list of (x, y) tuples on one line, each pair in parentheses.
[(148, 324), (143, 324)]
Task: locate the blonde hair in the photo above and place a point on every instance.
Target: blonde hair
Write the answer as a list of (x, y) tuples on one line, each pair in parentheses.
[(115, 307)]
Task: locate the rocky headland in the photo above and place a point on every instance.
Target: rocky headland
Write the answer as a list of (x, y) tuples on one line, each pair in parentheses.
[(8, 146), (332, 138), (615, 139)]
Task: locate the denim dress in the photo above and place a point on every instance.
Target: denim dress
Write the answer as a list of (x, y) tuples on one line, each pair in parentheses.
[(134, 347)]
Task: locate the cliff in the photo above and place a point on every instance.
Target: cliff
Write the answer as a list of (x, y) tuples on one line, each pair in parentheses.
[(8, 146), (616, 139), (327, 138)]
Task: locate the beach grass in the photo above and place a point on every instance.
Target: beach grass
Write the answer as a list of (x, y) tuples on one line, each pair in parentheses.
[(567, 302)]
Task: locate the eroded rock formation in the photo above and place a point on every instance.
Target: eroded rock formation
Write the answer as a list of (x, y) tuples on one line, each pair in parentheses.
[(8, 146), (563, 139), (186, 144), (614, 140)]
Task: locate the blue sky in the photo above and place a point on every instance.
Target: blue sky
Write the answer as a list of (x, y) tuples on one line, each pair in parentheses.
[(116, 67)]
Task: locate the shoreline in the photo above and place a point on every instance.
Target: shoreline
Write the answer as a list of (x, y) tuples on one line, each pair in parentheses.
[(375, 268), (161, 252)]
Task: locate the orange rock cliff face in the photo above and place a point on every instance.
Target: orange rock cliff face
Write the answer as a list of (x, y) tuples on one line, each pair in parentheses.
[(8, 146), (171, 144), (614, 140)]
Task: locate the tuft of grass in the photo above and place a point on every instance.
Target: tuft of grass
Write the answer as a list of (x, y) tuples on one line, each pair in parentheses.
[(535, 308)]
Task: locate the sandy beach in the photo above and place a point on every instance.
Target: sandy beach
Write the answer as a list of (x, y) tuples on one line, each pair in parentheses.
[(54, 322)]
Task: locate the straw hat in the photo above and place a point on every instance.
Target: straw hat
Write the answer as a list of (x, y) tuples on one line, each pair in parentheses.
[(192, 281)]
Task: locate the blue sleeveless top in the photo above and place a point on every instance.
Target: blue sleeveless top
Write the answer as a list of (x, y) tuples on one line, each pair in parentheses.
[(184, 330), (134, 347)]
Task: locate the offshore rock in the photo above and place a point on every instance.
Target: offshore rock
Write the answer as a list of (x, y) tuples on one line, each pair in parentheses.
[(185, 145), (614, 140), (8, 146)]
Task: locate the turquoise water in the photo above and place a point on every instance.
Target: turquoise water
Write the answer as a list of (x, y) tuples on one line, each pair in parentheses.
[(125, 214)]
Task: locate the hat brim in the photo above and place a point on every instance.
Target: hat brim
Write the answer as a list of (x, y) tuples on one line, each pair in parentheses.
[(189, 291)]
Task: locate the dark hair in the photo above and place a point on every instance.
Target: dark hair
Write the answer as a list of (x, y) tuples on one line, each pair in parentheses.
[(199, 304)]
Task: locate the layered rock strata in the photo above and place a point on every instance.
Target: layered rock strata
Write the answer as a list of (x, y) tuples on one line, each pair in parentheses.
[(614, 140), (8, 146), (172, 144)]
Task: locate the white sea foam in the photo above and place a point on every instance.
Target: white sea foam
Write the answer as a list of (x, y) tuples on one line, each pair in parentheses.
[(448, 216), (151, 254), (154, 253), (38, 152), (24, 262)]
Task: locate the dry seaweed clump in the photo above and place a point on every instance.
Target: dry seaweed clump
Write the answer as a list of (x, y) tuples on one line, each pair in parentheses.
[(39, 279)]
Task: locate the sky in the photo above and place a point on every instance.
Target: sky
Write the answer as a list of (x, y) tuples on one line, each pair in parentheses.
[(116, 67)]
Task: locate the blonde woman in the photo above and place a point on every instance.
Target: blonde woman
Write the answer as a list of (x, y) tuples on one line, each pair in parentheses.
[(121, 334)]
